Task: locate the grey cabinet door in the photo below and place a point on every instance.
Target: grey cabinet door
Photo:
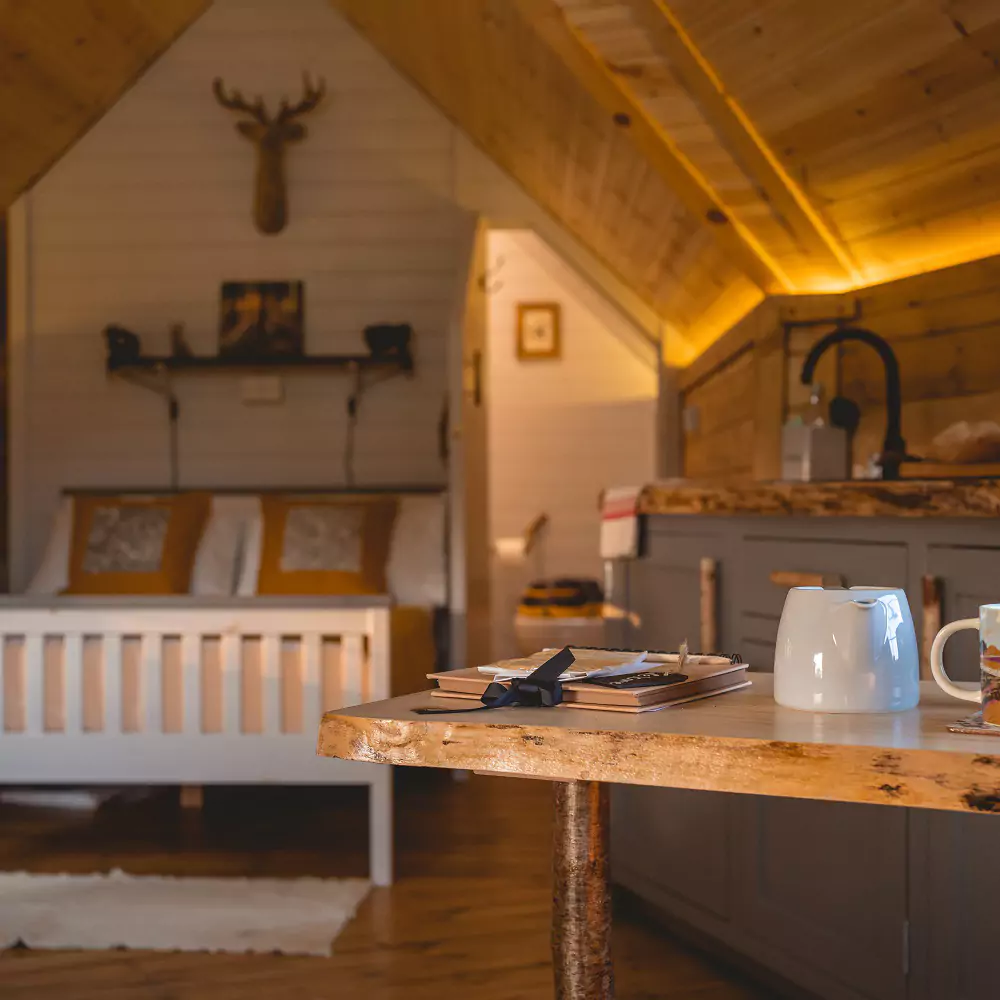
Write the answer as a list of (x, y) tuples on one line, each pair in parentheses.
[(824, 883), (969, 577), (665, 595), (954, 890), (672, 847), (665, 585), (857, 562)]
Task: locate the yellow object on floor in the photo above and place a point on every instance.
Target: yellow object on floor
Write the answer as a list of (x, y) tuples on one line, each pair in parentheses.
[(562, 598)]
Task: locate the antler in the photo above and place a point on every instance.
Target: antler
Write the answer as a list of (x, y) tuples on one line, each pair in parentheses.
[(311, 96), (237, 102)]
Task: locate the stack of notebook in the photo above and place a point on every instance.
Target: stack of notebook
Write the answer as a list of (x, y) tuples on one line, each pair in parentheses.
[(608, 681)]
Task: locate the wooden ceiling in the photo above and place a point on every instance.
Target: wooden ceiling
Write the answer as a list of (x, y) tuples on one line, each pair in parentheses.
[(885, 113), (515, 78), (63, 63), (846, 143), (708, 151)]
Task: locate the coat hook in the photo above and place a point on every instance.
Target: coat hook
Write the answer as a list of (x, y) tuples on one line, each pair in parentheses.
[(487, 280)]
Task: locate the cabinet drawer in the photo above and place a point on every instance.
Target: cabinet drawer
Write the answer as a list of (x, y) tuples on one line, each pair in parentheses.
[(756, 637), (855, 563)]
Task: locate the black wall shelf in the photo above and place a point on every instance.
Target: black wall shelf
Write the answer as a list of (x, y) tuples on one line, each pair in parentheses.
[(220, 364)]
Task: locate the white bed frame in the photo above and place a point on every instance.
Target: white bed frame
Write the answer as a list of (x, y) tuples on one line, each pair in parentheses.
[(177, 691)]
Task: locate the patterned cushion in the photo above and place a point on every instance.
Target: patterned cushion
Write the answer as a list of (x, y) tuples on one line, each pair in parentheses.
[(323, 538), (135, 545), (126, 539), (325, 545)]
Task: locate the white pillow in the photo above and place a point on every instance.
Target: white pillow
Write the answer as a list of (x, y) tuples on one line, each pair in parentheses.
[(417, 569), (52, 575), (218, 562), (253, 542), (416, 572)]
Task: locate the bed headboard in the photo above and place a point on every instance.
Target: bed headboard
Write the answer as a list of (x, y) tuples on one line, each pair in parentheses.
[(418, 567)]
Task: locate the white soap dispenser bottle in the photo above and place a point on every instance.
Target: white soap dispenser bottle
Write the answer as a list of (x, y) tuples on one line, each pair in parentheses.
[(811, 449)]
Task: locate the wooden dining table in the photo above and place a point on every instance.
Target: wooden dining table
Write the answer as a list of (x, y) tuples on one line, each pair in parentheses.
[(740, 742)]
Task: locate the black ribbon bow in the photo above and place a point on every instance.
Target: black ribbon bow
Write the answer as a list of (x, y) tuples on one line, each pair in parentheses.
[(540, 689)]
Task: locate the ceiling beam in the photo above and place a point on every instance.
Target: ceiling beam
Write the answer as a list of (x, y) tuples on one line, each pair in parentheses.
[(673, 167), (736, 132), (64, 64)]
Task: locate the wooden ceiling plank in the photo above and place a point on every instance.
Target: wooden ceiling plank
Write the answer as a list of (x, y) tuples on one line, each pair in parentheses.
[(627, 53), (678, 173), (740, 137), (65, 62), (535, 118), (928, 108)]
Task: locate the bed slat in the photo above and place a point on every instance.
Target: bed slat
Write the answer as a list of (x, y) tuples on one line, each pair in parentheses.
[(312, 681), (151, 684), (352, 662), (232, 647), (72, 683), (112, 683), (271, 683), (34, 693), (191, 674)]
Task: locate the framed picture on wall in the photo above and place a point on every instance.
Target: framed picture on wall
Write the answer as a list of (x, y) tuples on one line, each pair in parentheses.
[(538, 336), (261, 320)]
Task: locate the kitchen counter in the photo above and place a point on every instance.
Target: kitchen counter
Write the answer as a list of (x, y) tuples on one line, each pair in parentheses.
[(911, 498), (785, 882)]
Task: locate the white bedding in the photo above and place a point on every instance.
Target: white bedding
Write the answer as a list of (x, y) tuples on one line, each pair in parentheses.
[(228, 560)]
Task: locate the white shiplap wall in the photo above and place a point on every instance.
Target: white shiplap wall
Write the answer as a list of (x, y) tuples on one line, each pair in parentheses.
[(560, 431), (144, 217), (140, 222)]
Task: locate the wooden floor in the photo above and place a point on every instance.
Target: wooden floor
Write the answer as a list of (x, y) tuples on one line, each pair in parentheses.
[(467, 918)]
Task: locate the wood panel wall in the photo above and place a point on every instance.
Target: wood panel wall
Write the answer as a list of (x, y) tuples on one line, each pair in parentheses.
[(944, 327)]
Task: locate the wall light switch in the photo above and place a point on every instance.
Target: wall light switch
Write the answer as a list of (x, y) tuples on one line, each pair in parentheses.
[(262, 389)]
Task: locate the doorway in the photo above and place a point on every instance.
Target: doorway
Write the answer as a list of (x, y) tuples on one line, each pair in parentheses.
[(566, 419)]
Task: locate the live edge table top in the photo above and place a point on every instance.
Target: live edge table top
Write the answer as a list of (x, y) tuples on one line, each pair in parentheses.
[(740, 742)]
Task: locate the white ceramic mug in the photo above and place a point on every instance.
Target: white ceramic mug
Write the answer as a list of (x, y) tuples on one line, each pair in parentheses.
[(846, 651), (988, 693)]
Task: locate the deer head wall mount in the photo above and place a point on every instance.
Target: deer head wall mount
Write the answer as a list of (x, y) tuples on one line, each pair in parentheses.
[(269, 136)]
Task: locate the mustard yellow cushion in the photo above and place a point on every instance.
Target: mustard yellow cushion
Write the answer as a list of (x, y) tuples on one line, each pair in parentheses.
[(325, 545), (411, 637), (135, 545)]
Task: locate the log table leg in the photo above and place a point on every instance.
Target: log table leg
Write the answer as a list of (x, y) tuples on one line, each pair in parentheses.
[(581, 904)]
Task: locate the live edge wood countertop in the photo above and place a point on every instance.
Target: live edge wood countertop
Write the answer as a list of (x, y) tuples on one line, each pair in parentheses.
[(743, 742), (967, 498)]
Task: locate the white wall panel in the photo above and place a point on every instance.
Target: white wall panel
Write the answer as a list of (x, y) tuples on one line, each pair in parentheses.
[(560, 431), (151, 210)]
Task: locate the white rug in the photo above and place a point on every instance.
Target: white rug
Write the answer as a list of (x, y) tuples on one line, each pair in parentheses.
[(295, 916)]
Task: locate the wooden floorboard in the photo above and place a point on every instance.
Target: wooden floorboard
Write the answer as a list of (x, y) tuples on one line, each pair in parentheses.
[(467, 918)]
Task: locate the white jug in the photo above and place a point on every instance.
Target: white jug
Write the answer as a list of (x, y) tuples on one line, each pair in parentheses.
[(846, 651)]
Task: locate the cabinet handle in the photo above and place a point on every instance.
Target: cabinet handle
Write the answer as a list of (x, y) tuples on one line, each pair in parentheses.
[(709, 593), (933, 599), (790, 578)]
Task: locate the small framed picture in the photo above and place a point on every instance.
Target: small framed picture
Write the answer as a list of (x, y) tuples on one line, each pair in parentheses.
[(538, 337), (261, 320)]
